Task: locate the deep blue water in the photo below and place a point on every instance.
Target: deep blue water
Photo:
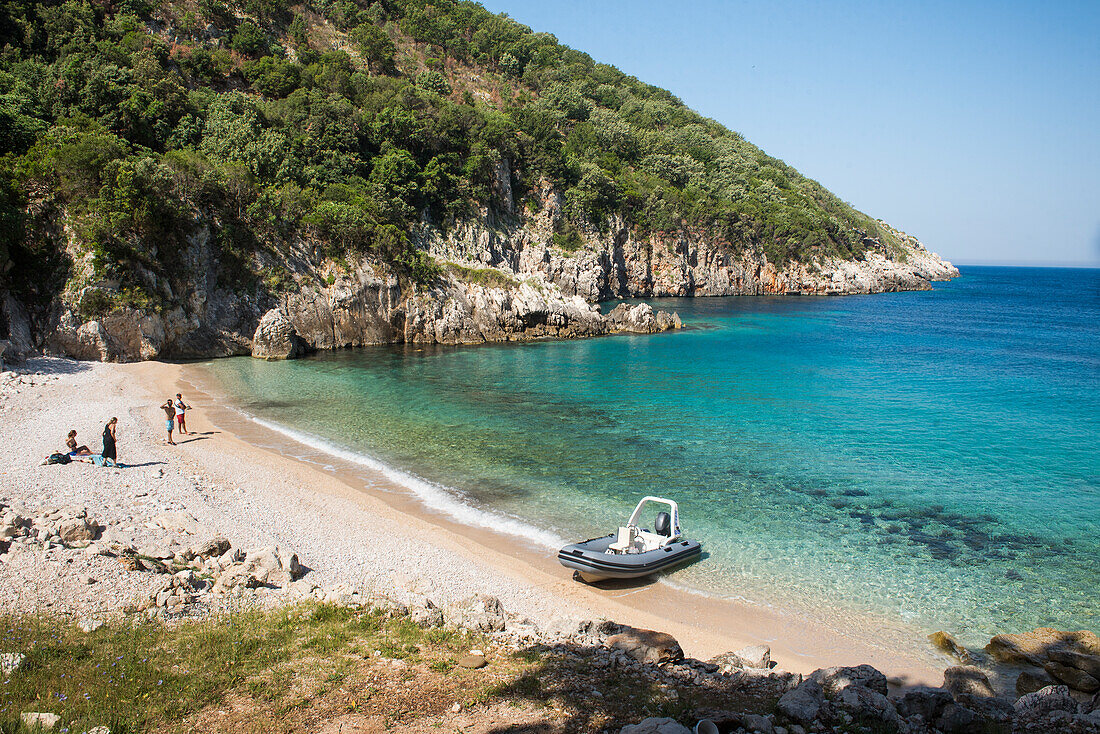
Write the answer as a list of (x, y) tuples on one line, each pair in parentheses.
[(930, 456)]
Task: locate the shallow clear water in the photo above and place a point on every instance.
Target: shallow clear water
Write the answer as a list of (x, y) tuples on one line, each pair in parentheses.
[(930, 456)]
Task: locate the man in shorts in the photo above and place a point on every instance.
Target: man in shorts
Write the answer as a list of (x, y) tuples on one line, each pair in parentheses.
[(181, 414), (170, 413)]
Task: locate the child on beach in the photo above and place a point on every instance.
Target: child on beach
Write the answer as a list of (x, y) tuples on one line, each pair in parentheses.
[(181, 414), (170, 415), (109, 440), (75, 450)]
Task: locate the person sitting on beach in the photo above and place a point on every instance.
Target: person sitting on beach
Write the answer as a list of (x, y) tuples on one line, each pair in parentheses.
[(170, 422), (181, 414), (96, 459), (109, 441), (75, 450)]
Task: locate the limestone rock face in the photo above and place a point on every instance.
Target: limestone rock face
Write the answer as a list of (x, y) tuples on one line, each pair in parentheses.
[(503, 279), (275, 338)]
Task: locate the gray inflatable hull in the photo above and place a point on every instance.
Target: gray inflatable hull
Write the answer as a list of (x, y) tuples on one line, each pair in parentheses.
[(592, 561)]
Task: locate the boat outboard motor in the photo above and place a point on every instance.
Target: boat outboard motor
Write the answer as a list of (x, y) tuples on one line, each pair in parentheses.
[(662, 525)]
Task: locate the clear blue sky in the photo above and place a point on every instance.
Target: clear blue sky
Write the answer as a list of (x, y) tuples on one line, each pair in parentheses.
[(973, 126)]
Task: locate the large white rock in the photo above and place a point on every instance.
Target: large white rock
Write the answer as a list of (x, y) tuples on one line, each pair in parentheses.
[(654, 725), (276, 338), (32, 719)]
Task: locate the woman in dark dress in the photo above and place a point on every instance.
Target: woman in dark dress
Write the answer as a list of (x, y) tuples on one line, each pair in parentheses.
[(109, 440)]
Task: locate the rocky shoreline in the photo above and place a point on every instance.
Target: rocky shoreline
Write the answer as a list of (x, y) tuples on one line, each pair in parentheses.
[(194, 575), (500, 277)]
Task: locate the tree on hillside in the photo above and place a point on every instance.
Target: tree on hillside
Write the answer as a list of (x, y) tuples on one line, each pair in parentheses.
[(375, 46)]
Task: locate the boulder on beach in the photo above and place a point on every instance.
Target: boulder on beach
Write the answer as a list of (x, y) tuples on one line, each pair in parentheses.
[(1032, 679), (1034, 647), (480, 612), (836, 679), (646, 646), (968, 680), (1076, 679), (655, 725), (1072, 658), (803, 703), (276, 338), (925, 701), (1044, 701)]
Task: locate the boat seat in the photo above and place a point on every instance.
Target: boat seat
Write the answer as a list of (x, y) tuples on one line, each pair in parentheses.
[(634, 540), (628, 541), (652, 541)]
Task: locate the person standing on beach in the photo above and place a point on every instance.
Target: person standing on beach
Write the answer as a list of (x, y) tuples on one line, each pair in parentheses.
[(75, 450), (181, 414), (109, 441), (170, 414)]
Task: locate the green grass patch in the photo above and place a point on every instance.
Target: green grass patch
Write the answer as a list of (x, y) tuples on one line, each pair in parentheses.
[(488, 277)]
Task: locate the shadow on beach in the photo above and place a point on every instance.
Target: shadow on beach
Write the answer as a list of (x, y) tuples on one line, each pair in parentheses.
[(49, 366), (189, 440), (596, 693)]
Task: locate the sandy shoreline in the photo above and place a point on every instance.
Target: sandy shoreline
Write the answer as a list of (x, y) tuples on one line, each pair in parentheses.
[(351, 528)]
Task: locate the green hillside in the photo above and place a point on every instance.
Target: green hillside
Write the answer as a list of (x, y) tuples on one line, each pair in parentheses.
[(123, 125)]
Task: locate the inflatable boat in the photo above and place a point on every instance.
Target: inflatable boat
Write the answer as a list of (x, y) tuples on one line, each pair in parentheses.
[(633, 552)]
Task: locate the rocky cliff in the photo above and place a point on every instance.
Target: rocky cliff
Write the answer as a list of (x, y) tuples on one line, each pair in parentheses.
[(502, 278), (615, 263)]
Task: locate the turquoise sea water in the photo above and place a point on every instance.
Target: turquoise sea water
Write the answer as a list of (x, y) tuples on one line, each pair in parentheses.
[(929, 456)]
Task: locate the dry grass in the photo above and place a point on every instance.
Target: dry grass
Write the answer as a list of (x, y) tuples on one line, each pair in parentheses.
[(317, 668)]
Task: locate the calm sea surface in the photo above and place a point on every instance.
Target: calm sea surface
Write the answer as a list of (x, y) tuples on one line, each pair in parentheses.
[(929, 456)]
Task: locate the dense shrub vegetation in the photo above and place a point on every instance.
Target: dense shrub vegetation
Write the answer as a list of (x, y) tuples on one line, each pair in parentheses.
[(350, 121)]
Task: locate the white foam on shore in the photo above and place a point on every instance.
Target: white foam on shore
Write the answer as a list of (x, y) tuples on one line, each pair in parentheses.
[(433, 495)]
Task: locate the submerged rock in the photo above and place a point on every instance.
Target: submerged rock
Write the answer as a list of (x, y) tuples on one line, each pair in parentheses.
[(946, 643)]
